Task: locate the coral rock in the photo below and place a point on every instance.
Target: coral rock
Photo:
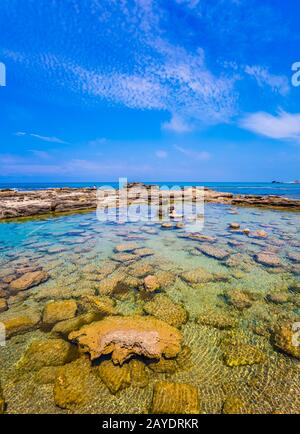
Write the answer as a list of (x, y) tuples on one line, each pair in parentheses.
[(126, 336), (175, 398)]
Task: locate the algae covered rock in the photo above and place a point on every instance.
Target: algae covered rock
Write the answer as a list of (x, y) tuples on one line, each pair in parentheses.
[(56, 311), (175, 398), (197, 276), (102, 304), (46, 352), (268, 259), (63, 328), (47, 375), (115, 377), (125, 336), (242, 354), (19, 321), (164, 308), (238, 299), (167, 366), (29, 280), (72, 384), (286, 338), (217, 320)]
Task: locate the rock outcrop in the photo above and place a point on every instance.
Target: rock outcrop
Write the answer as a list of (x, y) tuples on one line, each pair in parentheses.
[(123, 337)]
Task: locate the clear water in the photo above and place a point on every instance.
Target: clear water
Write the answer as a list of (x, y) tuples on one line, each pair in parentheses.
[(66, 247)]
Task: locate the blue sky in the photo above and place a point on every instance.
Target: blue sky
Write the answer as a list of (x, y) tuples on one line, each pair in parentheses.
[(189, 90)]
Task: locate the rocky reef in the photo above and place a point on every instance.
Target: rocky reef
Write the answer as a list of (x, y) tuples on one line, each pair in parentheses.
[(16, 204)]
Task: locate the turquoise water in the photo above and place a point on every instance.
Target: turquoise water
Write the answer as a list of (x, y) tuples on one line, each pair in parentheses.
[(75, 250), (260, 188)]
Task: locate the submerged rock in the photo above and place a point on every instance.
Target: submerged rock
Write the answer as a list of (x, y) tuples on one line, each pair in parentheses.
[(138, 373), (197, 276), (126, 248), (3, 305), (144, 252), (151, 283), (269, 259), (294, 257), (286, 339), (29, 280), (46, 352), (72, 384), (219, 321), (115, 377), (63, 328), (126, 336), (278, 297), (213, 252), (238, 299), (102, 304), (141, 269), (175, 398), (242, 354), (19, 321), (56, 311), (164, 308), (47, 375), (234, 226), (164, 366)]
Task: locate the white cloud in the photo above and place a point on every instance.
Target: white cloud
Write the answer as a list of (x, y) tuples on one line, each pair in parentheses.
[(278, 83), (177, 125), (43, 138), (283, 126), (197, 155), (160, 153)]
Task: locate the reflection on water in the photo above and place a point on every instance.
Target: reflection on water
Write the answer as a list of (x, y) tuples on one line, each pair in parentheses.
[(226, 301)]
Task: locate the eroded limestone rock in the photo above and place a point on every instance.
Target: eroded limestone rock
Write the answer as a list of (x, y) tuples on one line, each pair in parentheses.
[(125, 336)]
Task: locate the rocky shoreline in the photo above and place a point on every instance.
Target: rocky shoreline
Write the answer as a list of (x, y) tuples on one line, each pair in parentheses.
[(16, 204)]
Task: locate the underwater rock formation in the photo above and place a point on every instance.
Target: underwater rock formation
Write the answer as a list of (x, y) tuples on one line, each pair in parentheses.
[(56, 311), (125, 336), (46, 352), (162, 307), (286, 339), (29, 280), (175, 398)]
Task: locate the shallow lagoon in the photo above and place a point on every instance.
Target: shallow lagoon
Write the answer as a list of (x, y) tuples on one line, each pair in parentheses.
[(74, 249)]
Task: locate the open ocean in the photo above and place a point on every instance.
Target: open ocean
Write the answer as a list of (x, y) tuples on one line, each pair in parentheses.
[(261, 188)]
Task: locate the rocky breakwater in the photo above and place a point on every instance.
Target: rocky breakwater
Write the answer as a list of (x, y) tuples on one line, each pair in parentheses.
[(16, 204)]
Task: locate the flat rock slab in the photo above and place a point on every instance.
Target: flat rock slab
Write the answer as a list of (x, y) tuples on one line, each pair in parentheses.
[(213, 252), (29, 280), (268, 259), (175, 398)]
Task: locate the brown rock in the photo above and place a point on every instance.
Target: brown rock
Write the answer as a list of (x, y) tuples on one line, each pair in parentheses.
[(151, 283), (212, 251), (175, 398), (238, 299), (19, 321), (29, 280), (285, 337), (56, 311), (164, 308), (126, 248), (3, 305), (126, 336), (269, 259), (63, 328), (115, 377), (46, 352), (73, 384), (197, 276)]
